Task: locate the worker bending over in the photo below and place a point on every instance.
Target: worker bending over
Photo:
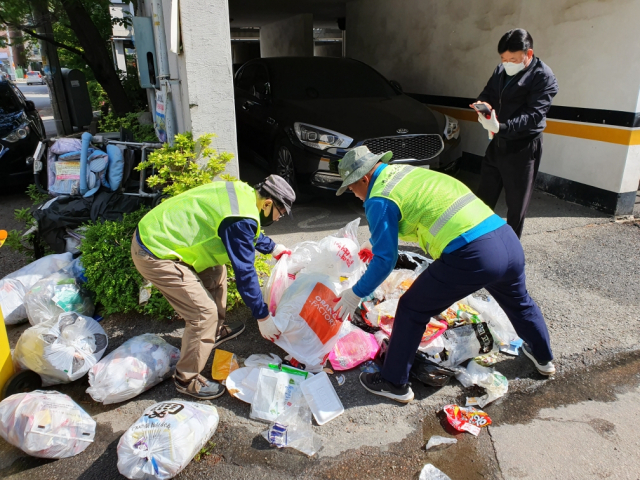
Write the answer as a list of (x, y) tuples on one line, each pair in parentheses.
[(182, 246), (472, 247)]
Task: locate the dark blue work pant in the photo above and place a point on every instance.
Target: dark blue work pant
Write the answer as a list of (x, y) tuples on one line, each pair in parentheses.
[(494, 261)]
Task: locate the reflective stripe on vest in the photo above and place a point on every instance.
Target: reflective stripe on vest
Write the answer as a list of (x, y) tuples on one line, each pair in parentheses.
[(435, 207), (233, 198)]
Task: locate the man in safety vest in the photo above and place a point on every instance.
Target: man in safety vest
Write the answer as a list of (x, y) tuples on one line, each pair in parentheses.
[(472, 247), (182, 246)]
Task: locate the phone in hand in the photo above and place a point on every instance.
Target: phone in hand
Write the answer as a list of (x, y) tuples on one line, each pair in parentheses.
[(482, 109)]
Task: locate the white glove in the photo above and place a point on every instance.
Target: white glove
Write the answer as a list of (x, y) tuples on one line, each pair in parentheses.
[(347, 302), (366, 245), (490, 124), (280, 250), (268, 329)]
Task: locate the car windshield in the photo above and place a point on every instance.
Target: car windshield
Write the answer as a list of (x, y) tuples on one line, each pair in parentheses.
[(9, 102), (305, 80)]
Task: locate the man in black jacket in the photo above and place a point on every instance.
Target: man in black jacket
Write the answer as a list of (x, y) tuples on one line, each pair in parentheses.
[(519, 95)]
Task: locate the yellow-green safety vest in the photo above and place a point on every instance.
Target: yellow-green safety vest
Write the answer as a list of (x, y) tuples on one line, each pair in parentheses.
[(185, 227), (435, 207)]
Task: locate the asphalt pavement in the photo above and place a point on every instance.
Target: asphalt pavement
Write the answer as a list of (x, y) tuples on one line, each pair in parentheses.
[(583, 270)]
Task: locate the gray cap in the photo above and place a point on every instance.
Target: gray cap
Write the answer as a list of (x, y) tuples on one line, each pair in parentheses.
[(279, 189), (357, 163)]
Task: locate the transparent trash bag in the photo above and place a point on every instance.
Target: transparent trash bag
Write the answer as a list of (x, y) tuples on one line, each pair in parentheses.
[(275, 391), (307, 319), (354, 347), (278, 282), (292, 428), (14, 286), (165, 439), (499, 323), (61, 350), (57, 293), (465, 342), (134, 367), (396, 284), (46, 424)]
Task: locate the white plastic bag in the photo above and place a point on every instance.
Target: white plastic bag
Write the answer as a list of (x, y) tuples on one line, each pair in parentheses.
[(278, 282), (307, 319), (57, 293), (429, 472), (61, 350), (499, 323), (46, 424), (134, 367), (14, 286), (165, 439), (494, 382)]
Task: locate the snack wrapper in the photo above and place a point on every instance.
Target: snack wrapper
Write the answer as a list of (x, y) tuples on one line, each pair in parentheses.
[(466, 419)]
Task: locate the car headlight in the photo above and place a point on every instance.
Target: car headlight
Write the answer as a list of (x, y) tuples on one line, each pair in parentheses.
[(320, 138), (19, 133), (451, 128)]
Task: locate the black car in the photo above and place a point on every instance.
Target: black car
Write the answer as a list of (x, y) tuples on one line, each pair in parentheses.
[(300, 115), (21, 129)]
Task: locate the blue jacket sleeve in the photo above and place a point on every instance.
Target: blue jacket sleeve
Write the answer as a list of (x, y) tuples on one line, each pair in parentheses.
[(265, 244), (237, 237), (383, 216)]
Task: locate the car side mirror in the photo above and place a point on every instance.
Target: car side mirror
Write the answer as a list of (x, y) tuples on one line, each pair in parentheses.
[(31, 107), (262, 92), (396, 86)]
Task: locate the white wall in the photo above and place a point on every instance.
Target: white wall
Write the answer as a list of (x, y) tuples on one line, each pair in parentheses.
[(449, 48), (291, 37)]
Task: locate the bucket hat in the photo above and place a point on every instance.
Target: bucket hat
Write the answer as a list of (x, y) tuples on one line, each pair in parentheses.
[(357, 163)]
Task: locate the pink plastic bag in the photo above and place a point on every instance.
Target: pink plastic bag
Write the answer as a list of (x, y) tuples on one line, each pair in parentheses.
[(278, 282), (353, 348)]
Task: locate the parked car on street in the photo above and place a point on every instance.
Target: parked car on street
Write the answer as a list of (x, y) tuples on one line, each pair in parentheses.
[(35, 77), (21, 129), (300, 115)]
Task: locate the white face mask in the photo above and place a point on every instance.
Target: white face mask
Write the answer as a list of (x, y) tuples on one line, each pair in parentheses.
[(513, 68)]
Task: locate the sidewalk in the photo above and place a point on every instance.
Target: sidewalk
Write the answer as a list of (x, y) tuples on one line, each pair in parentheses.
[(583, 270)]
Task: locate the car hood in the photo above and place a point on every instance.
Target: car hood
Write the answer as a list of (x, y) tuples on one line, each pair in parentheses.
[(362, 118), (10, 121)]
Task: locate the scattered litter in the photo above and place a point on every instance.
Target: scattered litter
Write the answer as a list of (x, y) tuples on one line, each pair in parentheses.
[(275, 391), (437, 440), (429, 472), (240, 385), (488, 359), (428, 372), (340, 379), (165, 439), (61, 350), (353, 348), (145, 293), (14, 286), (134, 367), (369, 367), (46, 424), (328, 371), (494, 382), (262, 360), (322, 398), (466, 419), (223, 364), (292, 428), (513, 348)]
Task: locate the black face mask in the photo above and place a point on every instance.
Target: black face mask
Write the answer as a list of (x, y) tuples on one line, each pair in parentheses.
[(264, 220)]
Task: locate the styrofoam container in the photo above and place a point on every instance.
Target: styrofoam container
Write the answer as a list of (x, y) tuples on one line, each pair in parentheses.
[(238, 387), (322, 398)]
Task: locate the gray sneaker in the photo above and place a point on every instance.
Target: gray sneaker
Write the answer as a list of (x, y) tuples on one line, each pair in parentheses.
[(546, 369), (200, 388)]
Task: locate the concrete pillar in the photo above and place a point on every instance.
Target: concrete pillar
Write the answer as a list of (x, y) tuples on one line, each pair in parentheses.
[(208, 82), (291, 37)]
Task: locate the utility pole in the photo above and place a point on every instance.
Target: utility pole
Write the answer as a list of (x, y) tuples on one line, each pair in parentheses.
[(51, 64)]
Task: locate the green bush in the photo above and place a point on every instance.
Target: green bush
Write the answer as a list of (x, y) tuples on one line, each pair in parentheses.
[(141, 133), (186, 164), (111, 274)]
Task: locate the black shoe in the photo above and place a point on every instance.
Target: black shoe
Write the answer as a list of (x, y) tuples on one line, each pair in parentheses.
[(206, 390), (374, 383), (227, 332)]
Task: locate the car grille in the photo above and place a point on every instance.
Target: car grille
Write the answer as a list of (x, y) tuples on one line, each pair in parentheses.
[(420, 147)]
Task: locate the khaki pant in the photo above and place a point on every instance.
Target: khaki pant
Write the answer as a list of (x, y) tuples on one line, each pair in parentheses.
[(200, 299)]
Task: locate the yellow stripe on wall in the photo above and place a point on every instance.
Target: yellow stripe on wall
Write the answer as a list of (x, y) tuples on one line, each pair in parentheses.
[(618, 135)]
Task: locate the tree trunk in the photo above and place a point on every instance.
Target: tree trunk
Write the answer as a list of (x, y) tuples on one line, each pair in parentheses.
[(97, 55)]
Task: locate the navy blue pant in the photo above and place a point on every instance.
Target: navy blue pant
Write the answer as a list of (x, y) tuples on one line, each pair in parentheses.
[(494, 261)]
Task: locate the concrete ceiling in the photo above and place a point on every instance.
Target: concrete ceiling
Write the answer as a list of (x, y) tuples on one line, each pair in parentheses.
[(255, 13)]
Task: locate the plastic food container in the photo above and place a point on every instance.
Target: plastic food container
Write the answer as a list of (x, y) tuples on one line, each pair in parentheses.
[(322, 398)]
